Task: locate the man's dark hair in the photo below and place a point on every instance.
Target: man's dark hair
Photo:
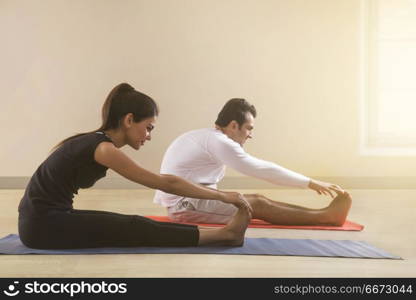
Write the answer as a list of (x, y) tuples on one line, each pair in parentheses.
[(235, 109)]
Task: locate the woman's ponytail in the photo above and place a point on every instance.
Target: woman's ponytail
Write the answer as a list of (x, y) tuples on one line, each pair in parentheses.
[(121, 100)]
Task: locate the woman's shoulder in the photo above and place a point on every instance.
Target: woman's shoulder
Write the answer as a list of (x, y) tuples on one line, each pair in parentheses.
[(85, 145), (88, 138), (105, 146)]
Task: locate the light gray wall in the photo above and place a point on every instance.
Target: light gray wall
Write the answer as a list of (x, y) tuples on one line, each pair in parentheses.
[(296, 60)]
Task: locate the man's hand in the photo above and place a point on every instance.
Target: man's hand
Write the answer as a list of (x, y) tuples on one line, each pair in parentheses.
[(325, 188)]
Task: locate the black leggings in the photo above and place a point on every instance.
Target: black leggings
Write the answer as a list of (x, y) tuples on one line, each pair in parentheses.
[(91, 229)]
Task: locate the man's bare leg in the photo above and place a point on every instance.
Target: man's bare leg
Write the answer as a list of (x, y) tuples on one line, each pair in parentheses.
[(280, 213), (230, 235)]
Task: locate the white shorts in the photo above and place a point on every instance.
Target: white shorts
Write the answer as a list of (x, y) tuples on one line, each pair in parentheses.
[(202, 211)]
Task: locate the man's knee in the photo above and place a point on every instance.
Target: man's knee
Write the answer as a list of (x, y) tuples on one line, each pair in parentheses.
[(257, 201)]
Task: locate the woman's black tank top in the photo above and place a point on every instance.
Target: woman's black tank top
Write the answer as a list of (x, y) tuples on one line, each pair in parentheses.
[(58, 178)]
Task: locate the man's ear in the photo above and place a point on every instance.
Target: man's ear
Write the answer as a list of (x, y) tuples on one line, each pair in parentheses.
[(234, 125)]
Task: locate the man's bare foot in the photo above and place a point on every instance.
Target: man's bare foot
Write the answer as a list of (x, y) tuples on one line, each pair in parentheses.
[(338, 209)]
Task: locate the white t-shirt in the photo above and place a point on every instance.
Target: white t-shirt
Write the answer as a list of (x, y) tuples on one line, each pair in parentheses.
[(200, 156)]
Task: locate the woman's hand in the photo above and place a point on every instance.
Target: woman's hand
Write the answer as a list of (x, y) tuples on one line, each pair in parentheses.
[(325, 188), (238, 200)]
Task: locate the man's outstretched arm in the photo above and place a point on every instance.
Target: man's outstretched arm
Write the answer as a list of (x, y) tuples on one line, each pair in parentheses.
[(233, 155)]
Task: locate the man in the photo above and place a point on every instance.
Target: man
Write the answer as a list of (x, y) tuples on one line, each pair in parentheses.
[(201, 156)]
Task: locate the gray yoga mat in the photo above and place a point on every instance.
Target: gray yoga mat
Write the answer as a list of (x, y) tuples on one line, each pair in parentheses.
[(11, 244)]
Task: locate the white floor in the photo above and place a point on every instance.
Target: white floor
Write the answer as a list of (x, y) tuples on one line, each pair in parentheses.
[(388, 216)]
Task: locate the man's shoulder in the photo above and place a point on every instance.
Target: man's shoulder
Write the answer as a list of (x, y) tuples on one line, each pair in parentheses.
[(197, 133)]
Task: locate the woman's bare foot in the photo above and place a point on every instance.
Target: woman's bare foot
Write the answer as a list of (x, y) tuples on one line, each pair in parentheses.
[(338, 209), (231, 234), (234, 231)]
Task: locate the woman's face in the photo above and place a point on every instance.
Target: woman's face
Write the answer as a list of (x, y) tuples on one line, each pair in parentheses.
[(137, 133)]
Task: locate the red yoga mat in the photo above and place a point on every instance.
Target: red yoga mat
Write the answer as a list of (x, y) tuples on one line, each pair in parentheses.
[(256, 223)]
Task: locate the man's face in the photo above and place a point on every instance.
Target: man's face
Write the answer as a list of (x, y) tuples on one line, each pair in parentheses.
[(243, 133)]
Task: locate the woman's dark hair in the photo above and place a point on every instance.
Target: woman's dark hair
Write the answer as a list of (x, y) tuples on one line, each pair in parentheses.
[(122, 99), (235, 109)]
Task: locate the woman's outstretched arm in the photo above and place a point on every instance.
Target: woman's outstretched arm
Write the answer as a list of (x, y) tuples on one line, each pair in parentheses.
[(110, 156)]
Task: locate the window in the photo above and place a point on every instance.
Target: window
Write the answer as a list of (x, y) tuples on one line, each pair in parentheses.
[(389, 77)]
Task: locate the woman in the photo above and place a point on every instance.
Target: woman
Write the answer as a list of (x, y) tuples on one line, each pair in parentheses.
[(47, 219)]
